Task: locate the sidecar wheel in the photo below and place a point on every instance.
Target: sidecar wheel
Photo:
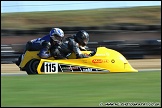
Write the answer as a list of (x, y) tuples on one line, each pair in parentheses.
[(31, 67)]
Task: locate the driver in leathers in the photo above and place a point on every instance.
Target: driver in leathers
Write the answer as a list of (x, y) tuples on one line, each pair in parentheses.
[(71, 44), (44, 44)]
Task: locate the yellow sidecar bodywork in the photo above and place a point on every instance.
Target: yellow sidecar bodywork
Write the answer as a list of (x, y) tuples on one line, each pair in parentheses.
[(104, 59)]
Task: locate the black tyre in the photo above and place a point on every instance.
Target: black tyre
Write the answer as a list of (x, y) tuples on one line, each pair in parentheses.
[(31, 67)]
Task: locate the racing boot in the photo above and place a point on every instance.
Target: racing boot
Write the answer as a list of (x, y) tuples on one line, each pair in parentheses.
[(19, 60)]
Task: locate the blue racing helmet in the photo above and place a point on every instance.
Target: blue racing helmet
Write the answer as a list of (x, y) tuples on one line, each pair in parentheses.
[(56, 34)]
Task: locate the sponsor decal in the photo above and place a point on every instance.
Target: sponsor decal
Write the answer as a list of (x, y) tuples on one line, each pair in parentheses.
[(100, 61), (74, 67), (70, 68), (66, 68), (112, 61), (51, 67), (97, 60), (87, 69)]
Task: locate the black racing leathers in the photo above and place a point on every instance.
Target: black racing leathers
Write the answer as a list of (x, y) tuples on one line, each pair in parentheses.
[(70, 45)]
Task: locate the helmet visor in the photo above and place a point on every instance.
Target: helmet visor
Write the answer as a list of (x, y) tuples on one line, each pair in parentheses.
[(84, 42), (56, 38)]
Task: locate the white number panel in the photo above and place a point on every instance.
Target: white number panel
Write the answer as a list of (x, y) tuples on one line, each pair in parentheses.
[(50, 67)]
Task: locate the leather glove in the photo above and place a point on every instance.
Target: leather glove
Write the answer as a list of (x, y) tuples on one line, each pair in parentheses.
[(92, 53)]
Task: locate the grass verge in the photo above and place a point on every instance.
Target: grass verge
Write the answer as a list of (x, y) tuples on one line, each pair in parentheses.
[(80, 89)]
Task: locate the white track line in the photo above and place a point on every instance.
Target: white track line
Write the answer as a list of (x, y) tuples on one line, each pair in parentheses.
[(12, 74)]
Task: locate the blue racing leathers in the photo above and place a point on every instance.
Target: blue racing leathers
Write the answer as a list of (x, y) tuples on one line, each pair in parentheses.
[(43, 44)]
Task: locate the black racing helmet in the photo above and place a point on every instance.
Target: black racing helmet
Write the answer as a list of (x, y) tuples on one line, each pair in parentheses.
[(82, 37)]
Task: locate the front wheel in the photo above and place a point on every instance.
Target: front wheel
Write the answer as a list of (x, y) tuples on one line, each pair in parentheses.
[(31, 67)]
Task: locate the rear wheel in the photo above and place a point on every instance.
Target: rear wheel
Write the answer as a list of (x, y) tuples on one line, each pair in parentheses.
[(31, 67)]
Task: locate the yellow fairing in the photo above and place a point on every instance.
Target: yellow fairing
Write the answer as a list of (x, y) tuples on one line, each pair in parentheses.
[(29, 55), (106, 59)]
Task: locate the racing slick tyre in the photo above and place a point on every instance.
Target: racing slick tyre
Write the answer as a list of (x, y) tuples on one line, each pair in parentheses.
[(31, 67)]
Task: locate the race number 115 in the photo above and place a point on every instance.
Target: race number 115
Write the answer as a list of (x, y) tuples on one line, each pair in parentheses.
[(50, 67)]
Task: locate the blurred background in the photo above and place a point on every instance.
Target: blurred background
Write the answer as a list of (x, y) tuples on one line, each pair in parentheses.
[(131, 27)]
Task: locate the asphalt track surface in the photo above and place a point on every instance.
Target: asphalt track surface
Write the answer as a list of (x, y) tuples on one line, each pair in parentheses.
[(142, 65)]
